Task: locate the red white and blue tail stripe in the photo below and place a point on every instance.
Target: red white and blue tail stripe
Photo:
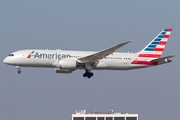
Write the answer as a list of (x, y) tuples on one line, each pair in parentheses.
[(154, 49)]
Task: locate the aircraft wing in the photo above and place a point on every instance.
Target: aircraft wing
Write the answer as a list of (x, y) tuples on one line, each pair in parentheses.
[(159, 59), (102, 54)]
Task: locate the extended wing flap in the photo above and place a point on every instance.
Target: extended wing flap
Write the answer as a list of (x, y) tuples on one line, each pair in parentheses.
[(163, 58), (102, 54)]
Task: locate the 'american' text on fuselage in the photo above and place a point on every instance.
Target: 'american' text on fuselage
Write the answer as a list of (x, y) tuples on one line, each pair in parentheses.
[(51, 56)]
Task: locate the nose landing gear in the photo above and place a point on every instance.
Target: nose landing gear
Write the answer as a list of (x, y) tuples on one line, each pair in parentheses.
[(19, 69), (88, 74)]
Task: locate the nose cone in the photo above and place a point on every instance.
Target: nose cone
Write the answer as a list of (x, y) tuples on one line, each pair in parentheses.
[(8, 61), (5, 60)]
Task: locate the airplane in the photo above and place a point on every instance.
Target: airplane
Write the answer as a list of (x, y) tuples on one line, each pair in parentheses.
[(68, 61)]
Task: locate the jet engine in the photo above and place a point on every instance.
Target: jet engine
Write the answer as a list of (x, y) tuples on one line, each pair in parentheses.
[(67, 64)]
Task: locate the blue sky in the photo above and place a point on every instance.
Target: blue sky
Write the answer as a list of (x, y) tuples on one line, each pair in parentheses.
[(40, 93)]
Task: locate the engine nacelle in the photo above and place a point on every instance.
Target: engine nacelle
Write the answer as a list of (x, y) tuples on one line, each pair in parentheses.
[(62, 70), (67, 64)]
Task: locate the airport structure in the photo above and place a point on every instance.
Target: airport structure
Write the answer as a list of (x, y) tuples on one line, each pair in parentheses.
[(83, 115)]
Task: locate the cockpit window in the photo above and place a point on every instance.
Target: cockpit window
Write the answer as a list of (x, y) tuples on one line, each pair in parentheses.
[(11, 55)]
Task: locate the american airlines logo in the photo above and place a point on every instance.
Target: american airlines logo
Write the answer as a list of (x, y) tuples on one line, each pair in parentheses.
[(48, 56), (29, 56)]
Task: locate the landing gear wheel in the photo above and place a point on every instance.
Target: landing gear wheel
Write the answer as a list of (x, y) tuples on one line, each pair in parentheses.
[(84, 75), (91, 74), (88, 74), (19, 71)]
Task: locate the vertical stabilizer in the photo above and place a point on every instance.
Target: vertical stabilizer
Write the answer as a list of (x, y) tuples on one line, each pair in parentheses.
[(155, 48)]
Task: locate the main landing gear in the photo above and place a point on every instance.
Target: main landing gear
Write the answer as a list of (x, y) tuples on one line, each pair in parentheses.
[(88, 74)]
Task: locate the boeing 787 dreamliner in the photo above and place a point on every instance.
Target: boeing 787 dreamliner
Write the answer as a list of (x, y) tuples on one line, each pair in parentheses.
[(68, 61)]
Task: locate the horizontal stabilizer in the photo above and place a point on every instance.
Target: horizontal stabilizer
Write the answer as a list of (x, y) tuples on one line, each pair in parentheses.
[(159, 59)]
